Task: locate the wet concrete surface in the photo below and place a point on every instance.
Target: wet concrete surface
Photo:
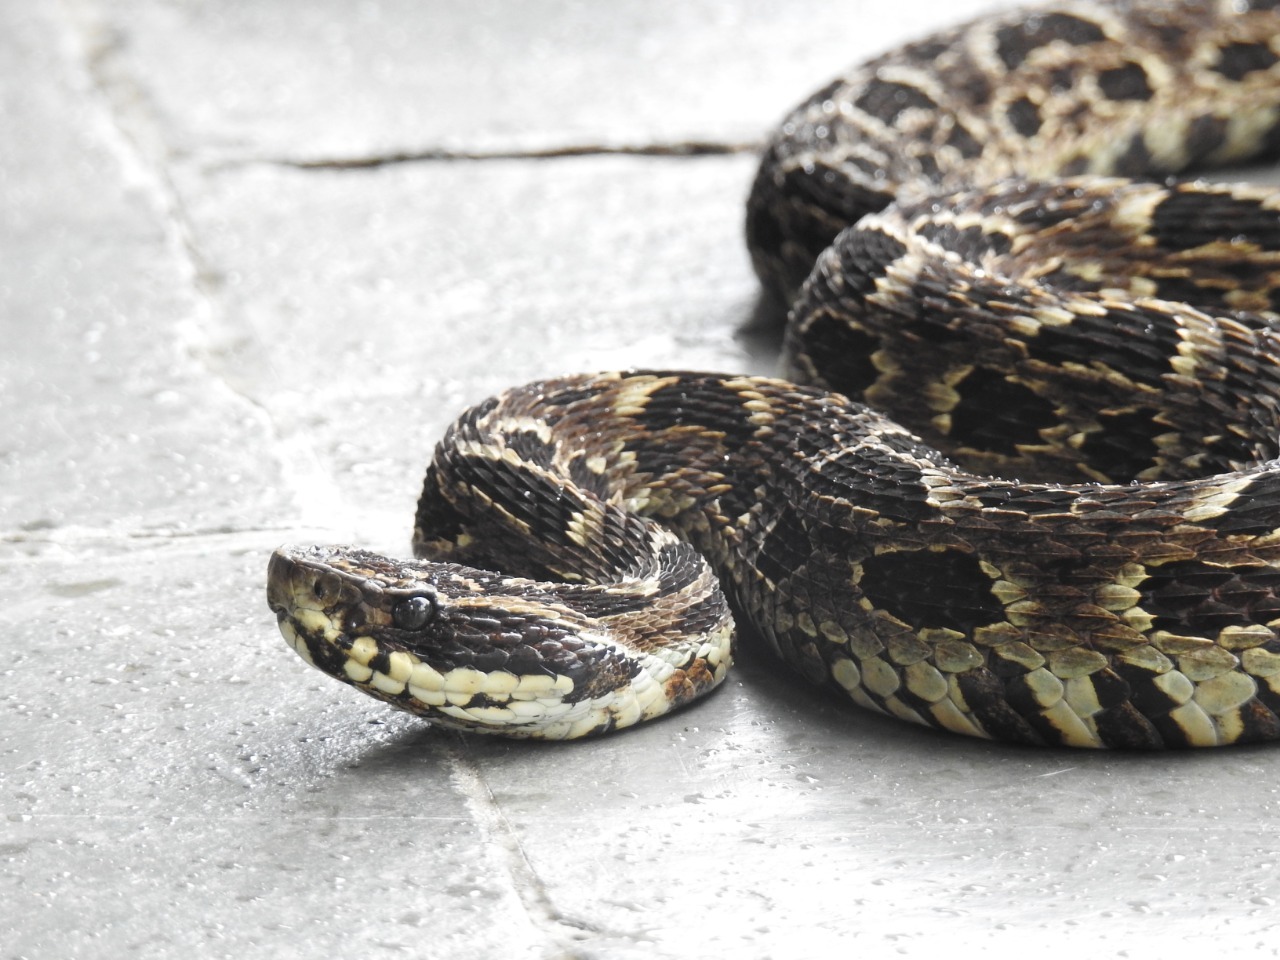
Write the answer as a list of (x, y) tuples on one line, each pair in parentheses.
[(257, 256)]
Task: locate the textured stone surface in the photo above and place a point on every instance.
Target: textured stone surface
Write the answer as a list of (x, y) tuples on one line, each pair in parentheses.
[(209, 349)]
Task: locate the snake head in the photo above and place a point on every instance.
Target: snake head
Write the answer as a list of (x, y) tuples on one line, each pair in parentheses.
[(465, 648)]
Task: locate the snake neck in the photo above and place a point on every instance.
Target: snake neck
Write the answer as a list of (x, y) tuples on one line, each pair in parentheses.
[(622, 459), (628, 460)]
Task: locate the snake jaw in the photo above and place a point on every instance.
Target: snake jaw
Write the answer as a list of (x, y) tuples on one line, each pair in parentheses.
[(525, 666)]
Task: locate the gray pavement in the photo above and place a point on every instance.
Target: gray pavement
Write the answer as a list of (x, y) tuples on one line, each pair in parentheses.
[(227, 323)]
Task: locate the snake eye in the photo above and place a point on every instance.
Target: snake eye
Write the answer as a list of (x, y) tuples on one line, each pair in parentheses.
[(415, 612)]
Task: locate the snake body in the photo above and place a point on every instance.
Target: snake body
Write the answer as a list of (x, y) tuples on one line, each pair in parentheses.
[(1094, 562)]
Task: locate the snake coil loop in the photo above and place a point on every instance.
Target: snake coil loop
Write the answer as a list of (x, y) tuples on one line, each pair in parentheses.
[(1093, 562)]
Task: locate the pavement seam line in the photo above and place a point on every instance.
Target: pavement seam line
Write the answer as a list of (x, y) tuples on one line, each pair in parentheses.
[(689, 149), (529, 888), (134, 135)]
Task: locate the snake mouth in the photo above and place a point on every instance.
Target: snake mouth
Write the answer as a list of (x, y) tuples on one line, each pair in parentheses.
[(287, 579), (296, 596), (280, 584), (310, 603)]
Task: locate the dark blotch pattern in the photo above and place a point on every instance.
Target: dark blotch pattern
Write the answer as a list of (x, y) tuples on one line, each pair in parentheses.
[(864, 254), (1205, 134), (1062, 79), (886, 100), (995, 414), (785, 549), (1119, 723), (529, 446), (969, 242), (1124, 447), (679, 405), (1122, 727), (1135, 160), (1266, 697), (797, 215), (1024, 117), (1016, 41), (676, 421), (538, 500), (1193, 598), (963, 141), (826, 93), (436, 515), (1187, 219), (1125, 83), (585, 477), (1237, 60), (925, 51), (927, 588), (1260, 724), (1149, 699), (841, 354), (843, 199), (1122, 339)]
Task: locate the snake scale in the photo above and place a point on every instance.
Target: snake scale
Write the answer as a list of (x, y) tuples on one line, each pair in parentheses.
[(986, 255)]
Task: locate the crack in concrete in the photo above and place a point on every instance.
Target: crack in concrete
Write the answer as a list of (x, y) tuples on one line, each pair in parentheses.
[(133, 132), (564, 932), (688, 148)]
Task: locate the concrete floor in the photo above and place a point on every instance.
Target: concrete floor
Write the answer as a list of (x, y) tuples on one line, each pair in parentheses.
[(219, 335)]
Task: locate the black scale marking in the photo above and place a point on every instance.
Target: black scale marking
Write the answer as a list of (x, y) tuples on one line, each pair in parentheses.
[(841, 354), (1125, 83), (963, 140), (1238, 60), (528, 446), (1024, 117), (985, 694), (1187, 219), (886, 100), (926, 588), (996, 414), (1143, 354), (1122, 727), (1199, 599), (1124, 447), (1015, 42)]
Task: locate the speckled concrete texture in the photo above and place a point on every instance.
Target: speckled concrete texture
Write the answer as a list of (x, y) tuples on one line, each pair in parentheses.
[(255, 256)]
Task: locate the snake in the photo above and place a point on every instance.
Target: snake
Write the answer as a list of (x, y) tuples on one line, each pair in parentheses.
[(1019, 481)]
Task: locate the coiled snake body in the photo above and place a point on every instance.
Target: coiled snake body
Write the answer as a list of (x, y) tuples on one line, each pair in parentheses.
[(1109, 346)]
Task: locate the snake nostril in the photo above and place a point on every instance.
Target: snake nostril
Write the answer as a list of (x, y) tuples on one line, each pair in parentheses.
[(326, 588)]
